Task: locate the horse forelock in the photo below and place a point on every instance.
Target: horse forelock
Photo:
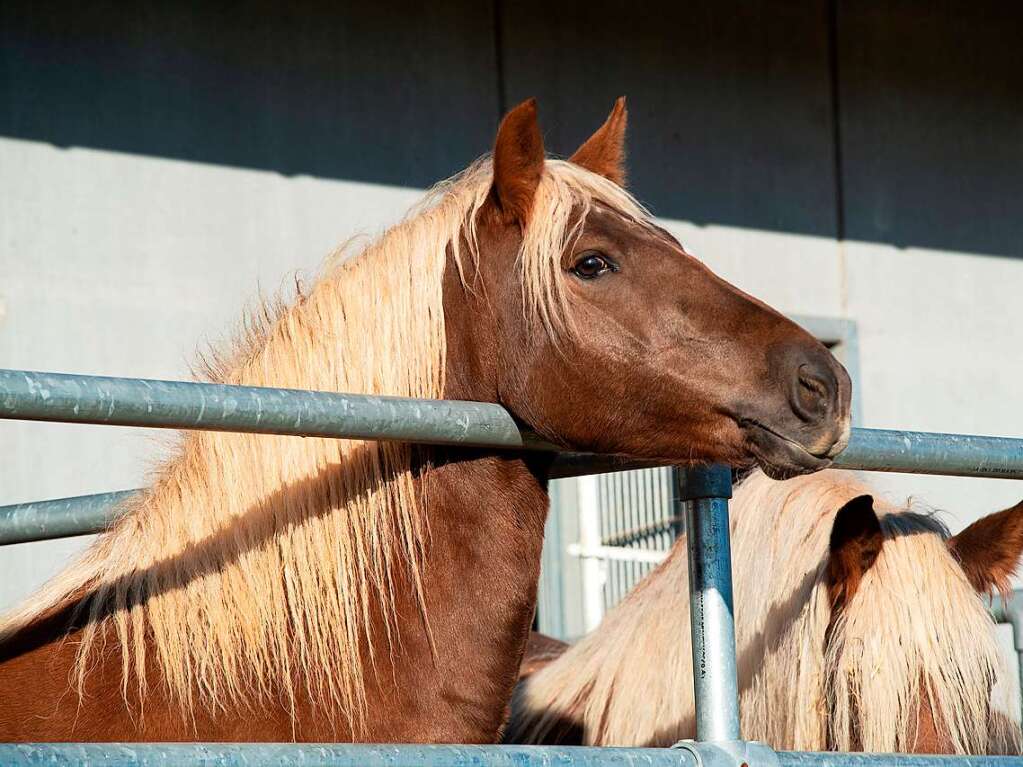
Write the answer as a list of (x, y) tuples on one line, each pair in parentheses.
[(564, 198), (917, 634), (805, 684), (255, 567)]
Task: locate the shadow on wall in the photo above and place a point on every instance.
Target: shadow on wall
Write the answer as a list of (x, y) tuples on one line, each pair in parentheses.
[(896, 122), (355, 91)]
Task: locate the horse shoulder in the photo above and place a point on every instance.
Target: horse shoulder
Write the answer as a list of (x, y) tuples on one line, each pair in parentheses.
[(43, 703), (37, 685)]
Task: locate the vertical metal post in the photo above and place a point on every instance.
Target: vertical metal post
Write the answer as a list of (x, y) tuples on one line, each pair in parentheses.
[(704, 492), (589, 542)]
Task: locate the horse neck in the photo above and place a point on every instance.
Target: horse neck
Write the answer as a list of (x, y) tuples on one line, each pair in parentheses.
[(486, 511), (458, 646)]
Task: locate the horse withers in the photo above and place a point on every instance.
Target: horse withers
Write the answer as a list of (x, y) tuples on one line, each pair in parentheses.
[(279, 588), (860, 626)]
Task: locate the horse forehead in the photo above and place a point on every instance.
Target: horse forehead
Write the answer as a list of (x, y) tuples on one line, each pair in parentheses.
[(604, 220)]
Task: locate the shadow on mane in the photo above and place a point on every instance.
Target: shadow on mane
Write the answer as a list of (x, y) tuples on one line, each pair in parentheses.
[(215, 553)]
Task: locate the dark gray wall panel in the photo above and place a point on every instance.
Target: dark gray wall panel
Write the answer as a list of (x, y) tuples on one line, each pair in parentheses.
[(732, 102), (729, 102), (932, 123), (392, 92)]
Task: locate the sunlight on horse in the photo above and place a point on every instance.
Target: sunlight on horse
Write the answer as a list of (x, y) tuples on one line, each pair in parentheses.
[(277, 588), (855, 630)]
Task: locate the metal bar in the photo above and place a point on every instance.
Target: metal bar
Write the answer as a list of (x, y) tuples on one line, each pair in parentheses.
[(183, 405), (705, 492), (914, 452), (615, 554), (868, 450), (309, 754), (887, 450), (31, 396), (839, 759), (344, 755), (178, 404), (61, 518), (583, 464), (89, 514)]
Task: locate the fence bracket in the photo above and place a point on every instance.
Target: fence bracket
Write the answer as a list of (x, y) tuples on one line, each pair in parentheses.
[(729, 753)]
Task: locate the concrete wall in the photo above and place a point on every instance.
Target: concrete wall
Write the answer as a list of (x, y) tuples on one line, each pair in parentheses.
[(126, 265)]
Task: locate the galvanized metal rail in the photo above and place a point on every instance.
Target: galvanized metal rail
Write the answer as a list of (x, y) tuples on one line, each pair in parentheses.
[(869, 450), (705, 493), (335, 755), (61, 517), (27, 395), (918, 452), (344, 755), (34, 396)]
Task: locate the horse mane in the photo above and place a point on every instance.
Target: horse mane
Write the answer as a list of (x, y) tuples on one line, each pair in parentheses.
[(255, 567), (915, 617)]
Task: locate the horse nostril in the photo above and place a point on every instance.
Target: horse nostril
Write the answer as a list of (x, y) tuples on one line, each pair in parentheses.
[(813, 385), (814, 392)]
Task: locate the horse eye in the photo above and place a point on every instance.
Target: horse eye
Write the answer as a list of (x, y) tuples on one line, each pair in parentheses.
[(592, 265)]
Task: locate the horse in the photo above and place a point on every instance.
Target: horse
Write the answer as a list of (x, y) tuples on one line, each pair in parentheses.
[(307, 589), (859, 626)]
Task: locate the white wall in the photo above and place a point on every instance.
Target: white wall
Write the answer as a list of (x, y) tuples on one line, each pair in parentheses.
[(940, 338), (125, 265)]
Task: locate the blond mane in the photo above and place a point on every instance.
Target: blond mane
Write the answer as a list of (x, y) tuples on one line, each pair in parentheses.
[(915, 618), (251, 570)]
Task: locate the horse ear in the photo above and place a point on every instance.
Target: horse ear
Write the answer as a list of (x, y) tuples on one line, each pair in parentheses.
[(518, 162), (604, 151), (856, 541), (990, 548)]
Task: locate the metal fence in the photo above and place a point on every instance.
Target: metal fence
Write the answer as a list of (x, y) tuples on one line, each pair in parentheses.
[(704, 492)]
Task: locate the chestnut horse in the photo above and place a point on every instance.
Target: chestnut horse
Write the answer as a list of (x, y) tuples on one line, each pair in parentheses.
[(278, 588), (854, 632)]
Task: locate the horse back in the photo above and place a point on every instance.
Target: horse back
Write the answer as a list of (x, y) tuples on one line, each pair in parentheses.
[(540, 650)]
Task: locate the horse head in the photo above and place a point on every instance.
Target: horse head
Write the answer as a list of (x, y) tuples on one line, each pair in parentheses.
[(940, 657), (631, 345)]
